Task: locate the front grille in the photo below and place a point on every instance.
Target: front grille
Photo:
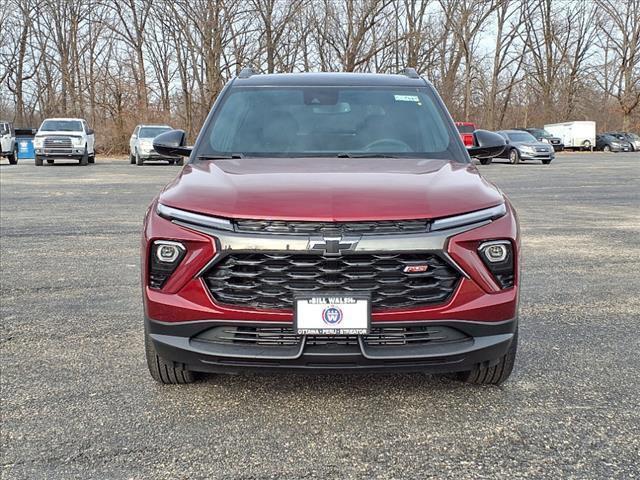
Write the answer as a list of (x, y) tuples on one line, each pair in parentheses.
[(271, 280), (284, 336), (327, 228), (57, 142)]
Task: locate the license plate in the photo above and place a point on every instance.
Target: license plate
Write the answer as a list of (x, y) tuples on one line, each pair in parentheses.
[(332, 315)]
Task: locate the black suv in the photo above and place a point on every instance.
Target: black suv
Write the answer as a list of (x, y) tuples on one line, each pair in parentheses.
[(545, 137)]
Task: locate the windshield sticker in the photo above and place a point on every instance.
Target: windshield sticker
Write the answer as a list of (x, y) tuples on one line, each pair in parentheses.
[(407, 98)]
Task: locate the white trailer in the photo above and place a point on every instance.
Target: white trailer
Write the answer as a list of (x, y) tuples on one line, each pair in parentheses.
[(574, 135)]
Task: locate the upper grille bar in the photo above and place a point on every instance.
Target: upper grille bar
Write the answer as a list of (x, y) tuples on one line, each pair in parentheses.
[(383, 227)]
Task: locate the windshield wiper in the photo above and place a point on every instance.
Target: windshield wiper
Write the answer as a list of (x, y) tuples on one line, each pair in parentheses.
[(220, 157), (365, 155)]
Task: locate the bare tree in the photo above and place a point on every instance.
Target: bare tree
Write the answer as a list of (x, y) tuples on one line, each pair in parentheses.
[(496, 62), (620, 30)]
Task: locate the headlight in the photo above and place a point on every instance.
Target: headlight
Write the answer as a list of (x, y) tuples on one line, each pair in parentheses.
[(615, 144), (544, 140), (78, 141), (497, 255), (146, 145), (37, 142), (165, 257), (526, 148)]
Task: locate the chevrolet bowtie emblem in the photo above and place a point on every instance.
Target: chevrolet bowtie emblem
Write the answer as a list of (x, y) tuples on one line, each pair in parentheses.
[(333, 246)]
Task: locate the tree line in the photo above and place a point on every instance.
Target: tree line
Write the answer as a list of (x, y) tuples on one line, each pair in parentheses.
[(499, 63)]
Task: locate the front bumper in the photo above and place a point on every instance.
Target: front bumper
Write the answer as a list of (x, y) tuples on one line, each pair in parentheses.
[(60, 153), (537, 155), (477, 344), (153, 155)]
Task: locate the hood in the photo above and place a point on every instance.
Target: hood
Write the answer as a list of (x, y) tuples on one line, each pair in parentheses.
[(330, 189), (59, 133)]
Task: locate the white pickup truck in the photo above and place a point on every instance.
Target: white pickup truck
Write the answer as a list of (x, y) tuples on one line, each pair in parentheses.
[(64, 139), (8, 145)]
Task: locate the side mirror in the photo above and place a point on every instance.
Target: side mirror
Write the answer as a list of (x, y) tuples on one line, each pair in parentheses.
[(486, 144), (90, 131), (172, 143)]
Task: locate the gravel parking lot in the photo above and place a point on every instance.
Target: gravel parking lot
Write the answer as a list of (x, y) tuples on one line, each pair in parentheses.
[(77, 401)]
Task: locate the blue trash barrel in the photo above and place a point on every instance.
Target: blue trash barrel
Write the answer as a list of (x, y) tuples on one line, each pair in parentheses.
[(24, 139), (25, 147)]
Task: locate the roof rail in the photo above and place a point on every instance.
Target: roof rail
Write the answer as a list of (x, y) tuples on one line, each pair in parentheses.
[(410, 72), (246, 72)]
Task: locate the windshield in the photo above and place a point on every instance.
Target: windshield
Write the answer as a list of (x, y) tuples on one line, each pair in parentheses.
[(331, 121), (61, 125), (521, 137), (152, 132)]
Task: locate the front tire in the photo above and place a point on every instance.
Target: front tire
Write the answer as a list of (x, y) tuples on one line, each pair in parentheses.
[(85, 157), (485, 161), (92, 158), (495, 375), (38, 160), (13, 157), (514, 156), (180, 161), (132, 158), (606, 148), (139, 160), (162, 371), (546, 162)]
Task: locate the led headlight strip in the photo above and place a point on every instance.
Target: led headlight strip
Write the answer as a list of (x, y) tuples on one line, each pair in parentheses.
[(171, 213), (469, 218)]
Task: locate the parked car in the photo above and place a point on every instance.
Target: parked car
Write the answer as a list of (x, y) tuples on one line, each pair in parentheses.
[(608, 143), (574, 135), (543, 136), (8, 145), (466, 130), (64, 139), (141, 145), (631, 138), (524, 146), (330, 222)]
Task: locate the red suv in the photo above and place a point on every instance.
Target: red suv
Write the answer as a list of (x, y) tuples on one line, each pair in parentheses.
[(330, 222), (466, 130)]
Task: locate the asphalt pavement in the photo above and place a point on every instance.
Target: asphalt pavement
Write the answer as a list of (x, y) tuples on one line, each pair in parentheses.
[(77, 401)]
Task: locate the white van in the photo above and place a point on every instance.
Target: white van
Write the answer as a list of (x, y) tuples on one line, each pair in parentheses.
[(574, 135)]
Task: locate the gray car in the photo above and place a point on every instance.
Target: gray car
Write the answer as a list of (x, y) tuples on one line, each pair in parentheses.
[(524, 146)]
